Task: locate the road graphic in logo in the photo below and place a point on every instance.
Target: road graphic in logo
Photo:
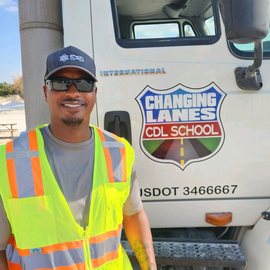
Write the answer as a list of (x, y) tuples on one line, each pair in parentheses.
[(181, 125)]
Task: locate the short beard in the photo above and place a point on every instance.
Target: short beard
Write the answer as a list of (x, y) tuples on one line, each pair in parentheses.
[(72, 122)]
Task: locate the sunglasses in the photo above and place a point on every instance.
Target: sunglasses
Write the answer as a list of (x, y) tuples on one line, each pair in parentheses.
[(63, 84)]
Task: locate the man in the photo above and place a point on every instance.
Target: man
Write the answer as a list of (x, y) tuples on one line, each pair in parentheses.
[(67, 188)]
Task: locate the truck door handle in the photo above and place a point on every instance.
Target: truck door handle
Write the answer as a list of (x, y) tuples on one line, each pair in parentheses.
[(117, 126), (118, 122)]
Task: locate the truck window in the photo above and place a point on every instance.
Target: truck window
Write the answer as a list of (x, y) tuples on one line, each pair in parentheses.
[(188, 30), (210, 24), (247, 50), (156, 30), (174, 22)]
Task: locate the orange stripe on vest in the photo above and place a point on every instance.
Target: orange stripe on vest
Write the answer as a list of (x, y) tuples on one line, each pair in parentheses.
[(124, 160), (107, 158), (36, 170), (107, 257), (11, 172), (54, 248), (14, 266), (104, 236), (33, 146)]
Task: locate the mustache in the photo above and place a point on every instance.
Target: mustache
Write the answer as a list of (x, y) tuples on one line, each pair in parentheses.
[(72, 100)]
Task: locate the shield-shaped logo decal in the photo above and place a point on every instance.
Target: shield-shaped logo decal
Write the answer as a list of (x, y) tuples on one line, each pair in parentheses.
[(181, 125)]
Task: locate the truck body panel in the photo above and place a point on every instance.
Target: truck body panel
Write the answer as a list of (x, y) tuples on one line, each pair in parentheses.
[(222, 164)]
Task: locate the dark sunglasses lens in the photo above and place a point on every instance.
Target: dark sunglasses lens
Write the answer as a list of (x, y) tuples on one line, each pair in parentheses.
[(84, 85), (60, 84)]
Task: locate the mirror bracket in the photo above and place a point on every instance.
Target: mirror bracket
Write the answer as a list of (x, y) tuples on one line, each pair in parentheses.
[(250, 78), (245, 82)]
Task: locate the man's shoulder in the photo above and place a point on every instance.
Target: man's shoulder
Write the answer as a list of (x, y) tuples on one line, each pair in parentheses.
[(111, 136), (24, 137), (15, 140), (106, 134)]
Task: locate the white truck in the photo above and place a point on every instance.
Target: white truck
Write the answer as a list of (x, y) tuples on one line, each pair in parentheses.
[(196, 115)]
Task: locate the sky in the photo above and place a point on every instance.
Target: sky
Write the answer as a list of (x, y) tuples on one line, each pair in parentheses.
[(10, 50)]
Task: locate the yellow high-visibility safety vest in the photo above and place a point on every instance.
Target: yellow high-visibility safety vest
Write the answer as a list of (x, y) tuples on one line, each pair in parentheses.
[(44, 232)]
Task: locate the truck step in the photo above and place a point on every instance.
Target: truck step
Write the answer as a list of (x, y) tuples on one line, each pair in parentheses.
[(220, 253)]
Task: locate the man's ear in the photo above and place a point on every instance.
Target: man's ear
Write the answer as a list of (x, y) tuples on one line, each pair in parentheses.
[(45, 90), (96, 94)]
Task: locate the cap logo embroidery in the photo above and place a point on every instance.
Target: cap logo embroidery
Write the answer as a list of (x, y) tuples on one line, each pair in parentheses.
[(64, 58), (76, 57)]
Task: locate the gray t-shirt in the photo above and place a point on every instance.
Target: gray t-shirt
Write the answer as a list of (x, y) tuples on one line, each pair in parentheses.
[(72, 165)]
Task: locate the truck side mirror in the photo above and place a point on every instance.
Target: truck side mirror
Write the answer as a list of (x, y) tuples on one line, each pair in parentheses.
[(247, 21)]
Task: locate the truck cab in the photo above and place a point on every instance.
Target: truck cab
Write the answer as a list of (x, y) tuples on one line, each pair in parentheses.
[(171, 83)]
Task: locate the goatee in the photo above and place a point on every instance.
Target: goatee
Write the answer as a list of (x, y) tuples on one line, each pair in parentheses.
[(72, 122)]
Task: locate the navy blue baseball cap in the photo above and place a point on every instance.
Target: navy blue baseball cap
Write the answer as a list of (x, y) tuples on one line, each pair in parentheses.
[(70, 57)]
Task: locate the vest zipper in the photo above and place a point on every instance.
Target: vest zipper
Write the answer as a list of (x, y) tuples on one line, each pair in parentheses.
[(87, 255)]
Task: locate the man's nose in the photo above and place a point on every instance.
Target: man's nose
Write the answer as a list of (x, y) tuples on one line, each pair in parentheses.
[(72, 91)]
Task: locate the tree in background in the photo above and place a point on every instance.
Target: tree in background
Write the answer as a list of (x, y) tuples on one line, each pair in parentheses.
[(16, 88), (4, 89), (17, 85)]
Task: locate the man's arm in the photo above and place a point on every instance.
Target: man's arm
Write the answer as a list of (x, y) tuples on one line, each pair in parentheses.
[(139, 235), (3, 260)]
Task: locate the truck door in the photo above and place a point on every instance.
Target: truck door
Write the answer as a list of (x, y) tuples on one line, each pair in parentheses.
[(201, 143)]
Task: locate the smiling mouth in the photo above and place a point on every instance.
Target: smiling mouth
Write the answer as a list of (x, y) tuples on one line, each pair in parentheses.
[(72, 105)]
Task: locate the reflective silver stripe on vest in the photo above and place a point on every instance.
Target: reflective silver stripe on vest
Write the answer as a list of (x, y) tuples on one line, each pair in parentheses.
[(100, 249), (113, 144), (55, 259), (12, 254), (115, 154), (23, 167), (22, 154), (52, 260)]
